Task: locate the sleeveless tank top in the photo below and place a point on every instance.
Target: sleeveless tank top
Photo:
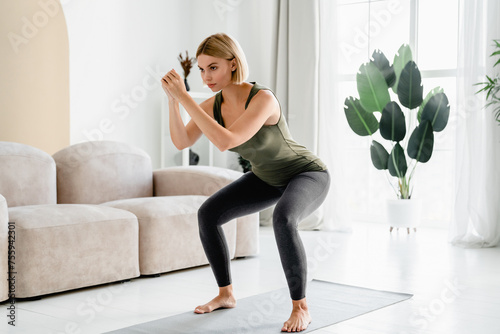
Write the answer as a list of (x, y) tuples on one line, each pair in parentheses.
[(275, 157)]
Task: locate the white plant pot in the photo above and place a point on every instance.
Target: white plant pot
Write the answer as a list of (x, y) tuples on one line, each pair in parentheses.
[(404, 213)]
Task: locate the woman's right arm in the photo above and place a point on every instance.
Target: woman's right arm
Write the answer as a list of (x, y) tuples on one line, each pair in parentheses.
[(183, 136)]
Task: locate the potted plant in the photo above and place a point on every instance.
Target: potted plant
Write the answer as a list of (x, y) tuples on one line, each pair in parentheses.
[(376, 109), (245, 164), (492, 86)]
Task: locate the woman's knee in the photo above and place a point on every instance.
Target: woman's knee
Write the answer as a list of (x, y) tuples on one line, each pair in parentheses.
[(204, 214), (211, 213), (284, 219)]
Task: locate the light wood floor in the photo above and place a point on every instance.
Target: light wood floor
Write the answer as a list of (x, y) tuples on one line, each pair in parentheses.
[(455, 290)]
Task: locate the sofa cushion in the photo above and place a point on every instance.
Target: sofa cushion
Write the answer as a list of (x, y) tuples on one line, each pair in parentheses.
[(27, 175), (63, 247), (206, 180), (168, 232), (4, 249), (102, 171), (247, 236), (192, 180)]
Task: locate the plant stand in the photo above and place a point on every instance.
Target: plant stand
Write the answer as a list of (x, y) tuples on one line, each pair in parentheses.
[(408, 229), (404, 213)]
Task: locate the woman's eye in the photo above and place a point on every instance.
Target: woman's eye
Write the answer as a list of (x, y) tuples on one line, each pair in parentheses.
[(213, 68)]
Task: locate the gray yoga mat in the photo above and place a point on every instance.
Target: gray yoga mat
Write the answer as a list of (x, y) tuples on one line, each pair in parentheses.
[(328, 302)]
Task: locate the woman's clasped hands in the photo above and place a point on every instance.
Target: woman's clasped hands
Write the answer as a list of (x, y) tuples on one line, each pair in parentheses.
[(173, 85)]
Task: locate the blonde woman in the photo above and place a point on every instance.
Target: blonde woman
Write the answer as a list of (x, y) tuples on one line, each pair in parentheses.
[(246, 118)]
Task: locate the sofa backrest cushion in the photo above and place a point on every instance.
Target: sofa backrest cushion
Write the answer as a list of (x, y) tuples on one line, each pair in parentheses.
[(95, 172), (27, 175)]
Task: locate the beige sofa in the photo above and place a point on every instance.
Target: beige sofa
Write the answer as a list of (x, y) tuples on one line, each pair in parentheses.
[(96, 212), (4, 250)]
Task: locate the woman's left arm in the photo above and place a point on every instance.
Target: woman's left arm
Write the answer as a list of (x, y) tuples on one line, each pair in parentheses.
[(245, 127)]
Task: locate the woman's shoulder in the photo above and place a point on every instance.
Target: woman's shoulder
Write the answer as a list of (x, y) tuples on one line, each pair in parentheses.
[(262, 89), (262, 94)]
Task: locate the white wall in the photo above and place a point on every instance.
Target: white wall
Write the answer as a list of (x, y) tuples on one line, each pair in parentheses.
[(252, 23), (119, 49), (118, 52)]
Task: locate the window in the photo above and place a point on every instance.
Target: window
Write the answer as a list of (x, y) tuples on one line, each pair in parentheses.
[(431, 29)]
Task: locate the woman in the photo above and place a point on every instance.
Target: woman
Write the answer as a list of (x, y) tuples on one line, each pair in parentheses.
[(246, 118)]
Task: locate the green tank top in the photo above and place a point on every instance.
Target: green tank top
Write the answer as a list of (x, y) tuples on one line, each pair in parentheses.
[(274, 155)]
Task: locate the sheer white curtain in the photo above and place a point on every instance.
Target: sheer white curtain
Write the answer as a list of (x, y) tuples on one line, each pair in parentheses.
[(305, 85), (331, 146), (297, 77), (476, 221), (297, 68)]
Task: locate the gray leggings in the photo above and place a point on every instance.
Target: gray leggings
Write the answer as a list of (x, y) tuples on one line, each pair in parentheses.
[(303, 195)]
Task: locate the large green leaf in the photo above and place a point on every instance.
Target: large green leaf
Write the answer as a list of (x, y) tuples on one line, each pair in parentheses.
[(380, 156), (362, 122), (372, 88), (437, 111), (380, 60), (392, 122), (402, 57), (497, 52), (410, 89), (397, 162), (421, 142), (426, 99)]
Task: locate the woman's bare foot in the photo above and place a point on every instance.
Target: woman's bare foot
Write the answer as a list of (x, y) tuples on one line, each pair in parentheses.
[(299, 319), (225, 299)]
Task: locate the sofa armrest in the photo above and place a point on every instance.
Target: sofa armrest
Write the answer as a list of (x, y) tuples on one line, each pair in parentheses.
[(4, 249), (192, 180)]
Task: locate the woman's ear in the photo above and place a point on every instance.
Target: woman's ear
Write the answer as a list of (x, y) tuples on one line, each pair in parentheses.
[(233, 65)]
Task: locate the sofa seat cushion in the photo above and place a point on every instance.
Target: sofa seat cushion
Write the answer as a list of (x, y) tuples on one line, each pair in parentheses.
[(168, 232), (67, 246)]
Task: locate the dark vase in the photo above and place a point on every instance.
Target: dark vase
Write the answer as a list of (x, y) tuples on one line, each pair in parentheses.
[(194, 158), (186, 83)]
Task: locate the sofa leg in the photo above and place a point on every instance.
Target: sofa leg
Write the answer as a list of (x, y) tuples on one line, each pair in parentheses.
[(151, 275), (28, 299)]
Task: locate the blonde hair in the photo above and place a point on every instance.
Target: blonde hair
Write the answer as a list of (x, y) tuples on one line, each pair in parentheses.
[(223, 46)]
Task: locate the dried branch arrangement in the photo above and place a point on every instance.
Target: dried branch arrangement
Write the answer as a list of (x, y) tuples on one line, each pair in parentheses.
[(186, 63)]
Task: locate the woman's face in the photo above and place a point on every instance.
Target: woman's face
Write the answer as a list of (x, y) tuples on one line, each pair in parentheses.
[(215, 72)]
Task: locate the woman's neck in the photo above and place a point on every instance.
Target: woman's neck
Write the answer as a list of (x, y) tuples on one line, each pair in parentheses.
[(234, 94)]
